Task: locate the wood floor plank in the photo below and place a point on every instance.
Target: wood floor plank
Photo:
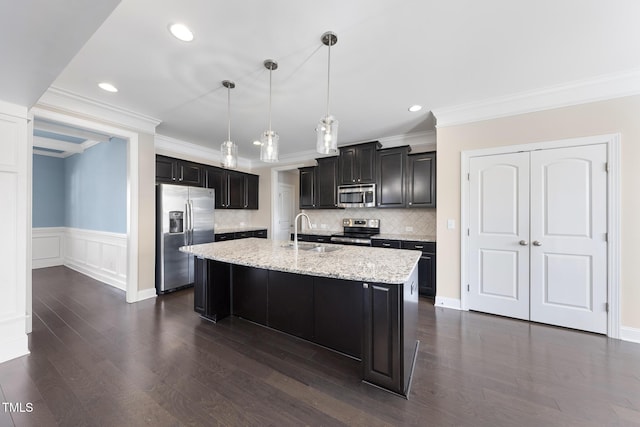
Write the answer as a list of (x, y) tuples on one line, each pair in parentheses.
[(96, 360)]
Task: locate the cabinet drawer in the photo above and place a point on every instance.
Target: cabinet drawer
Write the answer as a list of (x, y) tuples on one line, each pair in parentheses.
[(243, 234), (380, 243), (262, 234), (419, 246), (220, 237), (322, 239)]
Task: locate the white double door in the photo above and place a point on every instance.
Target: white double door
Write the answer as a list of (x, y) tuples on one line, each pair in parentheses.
[(537, 236)]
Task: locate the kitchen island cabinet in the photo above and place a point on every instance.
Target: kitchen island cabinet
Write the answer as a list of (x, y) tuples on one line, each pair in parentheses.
[(359, 301)]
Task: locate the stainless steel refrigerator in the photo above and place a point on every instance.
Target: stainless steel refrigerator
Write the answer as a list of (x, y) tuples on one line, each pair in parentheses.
[(184, 217)]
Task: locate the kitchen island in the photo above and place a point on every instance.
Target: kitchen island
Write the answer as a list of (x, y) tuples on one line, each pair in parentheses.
[(359, 301)]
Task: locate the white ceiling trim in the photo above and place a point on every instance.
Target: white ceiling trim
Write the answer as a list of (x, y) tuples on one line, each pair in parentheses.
[(49, 153), (71, 103), (173, 147), (14, 110), (61, 129), (67, 148), (578, 92)]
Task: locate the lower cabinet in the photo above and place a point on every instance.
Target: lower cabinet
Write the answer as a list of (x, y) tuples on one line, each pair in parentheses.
[(250, 293), (338, 315), (212, 290), (290, 303)]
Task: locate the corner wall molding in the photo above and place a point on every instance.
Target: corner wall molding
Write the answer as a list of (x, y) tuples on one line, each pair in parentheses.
[(630, 334), (172, 147), (452, 303), (599, 88), (69, 102)]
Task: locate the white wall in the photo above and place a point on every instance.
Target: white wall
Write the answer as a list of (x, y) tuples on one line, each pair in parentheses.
[(15, 217)]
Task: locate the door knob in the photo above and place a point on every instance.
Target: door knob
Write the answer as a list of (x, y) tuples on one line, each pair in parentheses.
[(523, 243), (536, 243)]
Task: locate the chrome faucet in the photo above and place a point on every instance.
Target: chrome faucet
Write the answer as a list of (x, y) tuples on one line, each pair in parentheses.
[(295, 227)]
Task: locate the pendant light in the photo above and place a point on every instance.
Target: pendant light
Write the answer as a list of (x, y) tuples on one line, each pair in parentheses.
[(228, 148), (327, 130), (269, 139)]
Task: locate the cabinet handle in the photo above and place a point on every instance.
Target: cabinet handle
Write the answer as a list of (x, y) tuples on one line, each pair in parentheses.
[(386, 244), (410, 203), (418, 246), (365, 286)]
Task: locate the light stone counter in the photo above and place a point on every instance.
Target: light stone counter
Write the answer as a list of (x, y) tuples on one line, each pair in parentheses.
[(358, 263)]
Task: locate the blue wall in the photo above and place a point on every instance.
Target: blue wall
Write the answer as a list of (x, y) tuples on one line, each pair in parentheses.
[(87, 191), (96, 188), (48, 192)]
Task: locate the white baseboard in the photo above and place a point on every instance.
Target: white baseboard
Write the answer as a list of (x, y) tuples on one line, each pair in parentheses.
[(453, 303), (630, 334), (47, 247), (98, 254), (146, 294), (13, 339)]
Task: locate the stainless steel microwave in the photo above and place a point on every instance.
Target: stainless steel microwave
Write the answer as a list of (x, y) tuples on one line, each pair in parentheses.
[(357, 196)]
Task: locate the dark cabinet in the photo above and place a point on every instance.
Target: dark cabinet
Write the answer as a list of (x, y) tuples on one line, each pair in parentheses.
[(212, 289), (250, 286), (221, 237), (234, 190), (315, 238), (391, 167), (260, 234), (251, 183), (178, 171), (326, 183), (383, 243), (338, 315), (308, 187), (382, 347), (421, 182), (290, 303), (426, 266), (357, 163)]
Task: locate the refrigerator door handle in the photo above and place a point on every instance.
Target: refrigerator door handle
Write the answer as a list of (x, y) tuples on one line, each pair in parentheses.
[(187, 225), (190, 222)]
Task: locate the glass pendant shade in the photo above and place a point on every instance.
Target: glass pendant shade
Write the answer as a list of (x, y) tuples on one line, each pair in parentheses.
[(228, 149), (269, 147), (327, 136), (229, 152)]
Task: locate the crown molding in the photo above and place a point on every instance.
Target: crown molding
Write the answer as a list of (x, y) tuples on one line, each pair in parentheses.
[(600, 88), (60, 99), (13, 110), (172, 147)]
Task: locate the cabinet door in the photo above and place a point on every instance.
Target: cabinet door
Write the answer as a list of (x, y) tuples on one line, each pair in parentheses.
[(383, 243), (236, 190), (250, 293), (290, 307), (189, 174), (338, 309), (218, 290), (251, 184), (199, 285), (366, 163), (381, 357), (421, 186), (166, 169), (307, 188), (391, 168), (261, 234), (326, 183), (217, 179), (427, 275), (347, 165)]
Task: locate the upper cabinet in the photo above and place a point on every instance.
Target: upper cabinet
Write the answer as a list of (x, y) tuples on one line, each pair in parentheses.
[(178, 171), (391, 168), (421, 188), (357, 163), (318, 184), (233, 189)]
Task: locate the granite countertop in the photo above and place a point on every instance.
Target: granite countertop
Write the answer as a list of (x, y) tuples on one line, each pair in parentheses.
[(237, 229), (414, 237), (358, 263)]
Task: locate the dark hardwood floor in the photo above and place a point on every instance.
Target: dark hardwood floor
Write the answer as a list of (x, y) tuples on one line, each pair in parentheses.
[(96, 360)]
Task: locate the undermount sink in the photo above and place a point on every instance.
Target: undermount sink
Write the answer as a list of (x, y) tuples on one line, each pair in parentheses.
[(311, 247)]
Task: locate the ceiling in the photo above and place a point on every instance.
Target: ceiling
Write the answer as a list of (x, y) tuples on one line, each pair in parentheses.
[(390, 54)]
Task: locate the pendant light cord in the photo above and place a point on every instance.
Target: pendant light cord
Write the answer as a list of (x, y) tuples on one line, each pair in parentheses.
[(228, 113), (328, 76), (270, 73)]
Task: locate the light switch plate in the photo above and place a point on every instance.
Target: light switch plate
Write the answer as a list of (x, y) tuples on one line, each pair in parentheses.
[(451, 224)]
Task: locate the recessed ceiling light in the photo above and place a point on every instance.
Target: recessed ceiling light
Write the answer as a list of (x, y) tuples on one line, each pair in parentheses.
[(257, 143), (181, 32), (415, 108), (108, 87)]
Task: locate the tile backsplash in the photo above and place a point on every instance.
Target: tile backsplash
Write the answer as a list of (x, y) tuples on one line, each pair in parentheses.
[(392, 221), (233, 218)]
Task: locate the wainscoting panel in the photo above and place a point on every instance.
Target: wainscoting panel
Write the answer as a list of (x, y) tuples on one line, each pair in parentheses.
[(98, 254), (48, 250)]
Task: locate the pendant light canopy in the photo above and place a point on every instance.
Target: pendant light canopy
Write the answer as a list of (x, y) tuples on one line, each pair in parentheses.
[(269, 140), (228, 148), (327, 130)]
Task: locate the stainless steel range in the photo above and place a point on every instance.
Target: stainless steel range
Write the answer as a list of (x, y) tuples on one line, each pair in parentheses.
[(357, 231)]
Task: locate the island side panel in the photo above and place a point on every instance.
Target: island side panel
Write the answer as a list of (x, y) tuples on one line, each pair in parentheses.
[(212, 289), (410, 326)]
